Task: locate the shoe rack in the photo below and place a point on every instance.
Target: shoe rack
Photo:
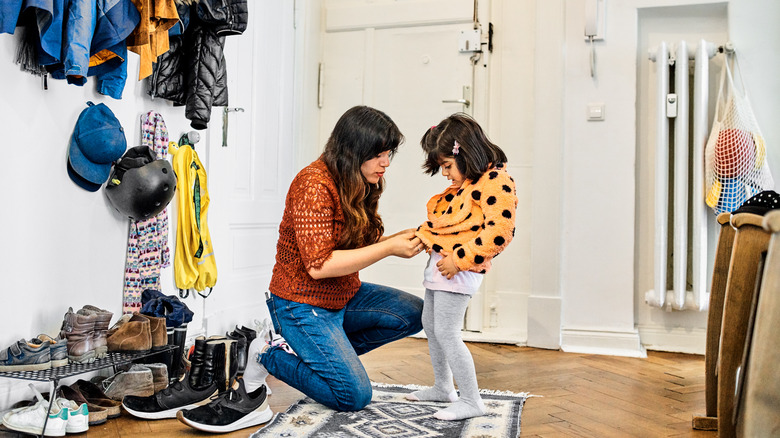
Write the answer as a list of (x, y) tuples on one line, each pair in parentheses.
[(54, 375)]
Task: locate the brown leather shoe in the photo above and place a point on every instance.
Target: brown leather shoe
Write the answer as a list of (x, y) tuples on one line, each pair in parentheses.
[(78, 328), (95, 395), (102, 321), (159, 331), (97, 414), (131, 334)]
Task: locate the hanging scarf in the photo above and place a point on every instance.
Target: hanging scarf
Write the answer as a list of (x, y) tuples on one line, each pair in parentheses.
[(147, 244)]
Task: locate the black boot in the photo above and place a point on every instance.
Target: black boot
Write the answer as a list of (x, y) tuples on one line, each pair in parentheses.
[(179, 338), (198, 362), (223, 366), (241, 349), (248, 335)]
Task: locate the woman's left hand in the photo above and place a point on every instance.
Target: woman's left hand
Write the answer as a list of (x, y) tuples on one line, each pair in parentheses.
[(447, 267)]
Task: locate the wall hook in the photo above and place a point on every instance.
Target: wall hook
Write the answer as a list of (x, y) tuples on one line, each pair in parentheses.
[(225, 123)]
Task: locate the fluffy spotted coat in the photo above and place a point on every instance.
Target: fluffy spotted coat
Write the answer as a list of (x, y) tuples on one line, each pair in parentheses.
[(476, 221)]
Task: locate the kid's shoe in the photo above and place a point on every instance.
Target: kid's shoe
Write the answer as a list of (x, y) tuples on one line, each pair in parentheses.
[(232, 410), (79, 330), (58, 349), (99, 335), (25, 356)]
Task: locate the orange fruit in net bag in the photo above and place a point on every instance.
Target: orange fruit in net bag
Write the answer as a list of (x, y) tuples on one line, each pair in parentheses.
[(735, 153)]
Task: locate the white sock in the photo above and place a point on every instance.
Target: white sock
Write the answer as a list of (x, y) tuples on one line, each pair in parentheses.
[(255, 373), (461, 410), (433, 394)]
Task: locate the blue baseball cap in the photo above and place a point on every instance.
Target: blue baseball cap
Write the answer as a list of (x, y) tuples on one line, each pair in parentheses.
[(98, 141)]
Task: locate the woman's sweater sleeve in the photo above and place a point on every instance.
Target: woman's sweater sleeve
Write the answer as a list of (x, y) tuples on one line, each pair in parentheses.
[(498, 200)]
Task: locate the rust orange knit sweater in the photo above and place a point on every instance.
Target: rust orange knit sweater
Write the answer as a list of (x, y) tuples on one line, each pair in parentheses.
[(311, 226), (476, 221)]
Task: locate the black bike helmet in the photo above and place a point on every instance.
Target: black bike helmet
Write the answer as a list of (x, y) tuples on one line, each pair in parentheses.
[(140, 186)]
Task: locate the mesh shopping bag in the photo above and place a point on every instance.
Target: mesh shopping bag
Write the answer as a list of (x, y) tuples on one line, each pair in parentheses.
[(735, 154)]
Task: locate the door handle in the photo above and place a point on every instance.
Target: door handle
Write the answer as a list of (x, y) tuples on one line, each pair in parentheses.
[(461, 101), (225, 123), (465, 100)]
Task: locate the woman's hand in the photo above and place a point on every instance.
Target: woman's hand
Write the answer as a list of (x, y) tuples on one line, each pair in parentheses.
[(447, 267), (347, 261), (405, 244), (402, 232)]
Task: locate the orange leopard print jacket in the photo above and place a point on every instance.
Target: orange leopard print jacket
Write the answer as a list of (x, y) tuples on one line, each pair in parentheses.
[(475, 221)]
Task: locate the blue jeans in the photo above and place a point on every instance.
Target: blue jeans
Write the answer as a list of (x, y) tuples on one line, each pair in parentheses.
[(328, 342)]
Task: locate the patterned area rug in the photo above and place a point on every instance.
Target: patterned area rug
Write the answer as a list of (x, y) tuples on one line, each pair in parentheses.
[(390, 415)]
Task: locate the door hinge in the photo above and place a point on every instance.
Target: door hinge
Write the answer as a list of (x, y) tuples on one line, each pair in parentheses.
[(490, 37)]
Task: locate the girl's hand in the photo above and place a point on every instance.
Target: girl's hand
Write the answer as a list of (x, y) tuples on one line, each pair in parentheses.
[(447, 267), (405, 244)]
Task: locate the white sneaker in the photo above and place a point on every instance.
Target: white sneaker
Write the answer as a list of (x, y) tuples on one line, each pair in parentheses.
[(31, 419), (78, 415)]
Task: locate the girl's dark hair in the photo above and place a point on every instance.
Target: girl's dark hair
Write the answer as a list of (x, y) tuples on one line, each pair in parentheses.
[(476, 152), (360, 134)]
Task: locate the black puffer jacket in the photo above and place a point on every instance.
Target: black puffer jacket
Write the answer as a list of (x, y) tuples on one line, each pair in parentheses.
[(228, 17), (192, 72), (167, 80)]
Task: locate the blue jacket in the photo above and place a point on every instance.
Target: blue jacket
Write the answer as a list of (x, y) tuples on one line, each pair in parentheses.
[(47, 15), (9, 14), (90, 27), (115, 21)]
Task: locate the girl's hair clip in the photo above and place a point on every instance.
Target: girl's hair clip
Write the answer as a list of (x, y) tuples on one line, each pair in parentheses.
[(456, 148)]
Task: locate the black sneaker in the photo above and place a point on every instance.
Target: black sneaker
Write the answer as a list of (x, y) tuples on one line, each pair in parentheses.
[(166, 403), (231, 410)]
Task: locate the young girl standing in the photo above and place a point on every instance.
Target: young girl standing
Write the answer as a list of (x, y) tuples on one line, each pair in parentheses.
[(468, 224)]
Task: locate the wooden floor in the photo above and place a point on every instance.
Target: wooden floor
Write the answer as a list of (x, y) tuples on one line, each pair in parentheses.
[(579, 395)]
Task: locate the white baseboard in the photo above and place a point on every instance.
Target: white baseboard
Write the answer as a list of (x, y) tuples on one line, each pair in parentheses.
[(544, 322), (676, 340), (604, 342)]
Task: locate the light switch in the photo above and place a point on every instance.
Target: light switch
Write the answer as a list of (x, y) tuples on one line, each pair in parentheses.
[(595, 112)]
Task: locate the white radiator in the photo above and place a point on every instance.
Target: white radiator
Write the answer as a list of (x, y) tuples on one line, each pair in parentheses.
[(673, 110)]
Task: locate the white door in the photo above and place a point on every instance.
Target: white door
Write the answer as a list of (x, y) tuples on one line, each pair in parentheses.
[(404, 60), (249, 171)]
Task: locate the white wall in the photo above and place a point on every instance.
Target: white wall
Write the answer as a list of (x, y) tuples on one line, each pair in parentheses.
[(64, 246)]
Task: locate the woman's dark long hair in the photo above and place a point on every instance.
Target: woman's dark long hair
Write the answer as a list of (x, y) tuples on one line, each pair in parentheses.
[(361, 134), (476, 152)]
